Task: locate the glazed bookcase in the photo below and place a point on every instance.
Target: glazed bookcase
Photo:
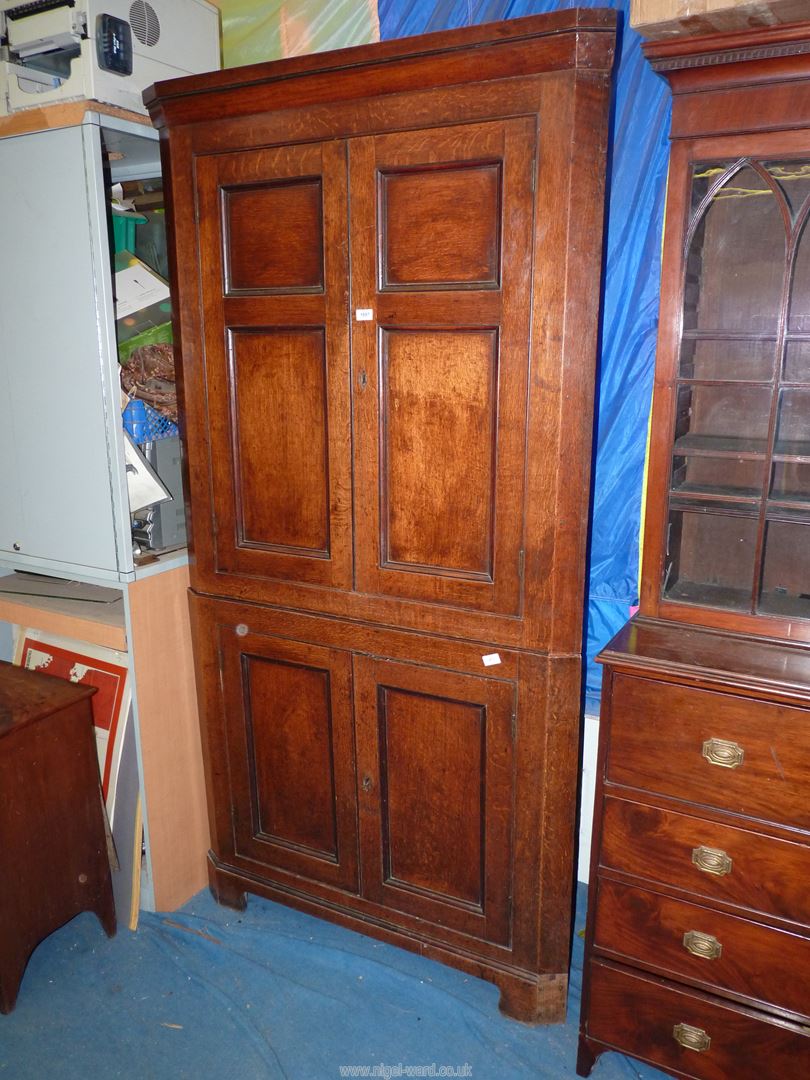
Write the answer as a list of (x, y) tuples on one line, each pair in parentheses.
[(698, 938), (736, 534)]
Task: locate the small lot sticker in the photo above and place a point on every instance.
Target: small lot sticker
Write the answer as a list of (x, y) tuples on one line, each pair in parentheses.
[(490, 659)]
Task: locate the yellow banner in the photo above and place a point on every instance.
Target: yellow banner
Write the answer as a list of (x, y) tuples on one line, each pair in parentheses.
[(257, 30)]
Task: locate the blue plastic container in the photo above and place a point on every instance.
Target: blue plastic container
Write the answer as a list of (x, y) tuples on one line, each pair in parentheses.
[(145, 424)]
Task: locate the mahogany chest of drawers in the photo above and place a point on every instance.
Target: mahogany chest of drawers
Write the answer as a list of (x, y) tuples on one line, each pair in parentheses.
[(53, 840), (698, 938), (698, 949)]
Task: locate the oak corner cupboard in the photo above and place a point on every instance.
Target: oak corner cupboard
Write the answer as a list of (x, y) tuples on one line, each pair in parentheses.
[(698, 938), (387, 264)]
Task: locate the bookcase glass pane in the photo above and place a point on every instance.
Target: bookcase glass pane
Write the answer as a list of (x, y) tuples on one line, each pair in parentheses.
[(718, 358), (797, 362), (699, 474), (722, 418), (790, 483), (793, 178), (793, 425), (710, 559), (786, 570), (799, 310), (704, 174), (735, 261)]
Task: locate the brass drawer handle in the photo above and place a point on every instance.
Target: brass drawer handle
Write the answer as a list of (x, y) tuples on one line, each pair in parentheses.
[(704, 945), (729, 755), (691, 1038), (712, 860)]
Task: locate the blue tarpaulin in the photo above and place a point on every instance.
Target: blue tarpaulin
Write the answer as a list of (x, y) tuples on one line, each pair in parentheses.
[(270, 994), (630, 310)]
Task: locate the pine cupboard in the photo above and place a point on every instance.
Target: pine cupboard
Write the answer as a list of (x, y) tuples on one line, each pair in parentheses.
[(387, 262)]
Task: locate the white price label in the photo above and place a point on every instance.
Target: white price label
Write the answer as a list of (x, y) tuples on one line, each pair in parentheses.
[(490, 659), (364, 314)]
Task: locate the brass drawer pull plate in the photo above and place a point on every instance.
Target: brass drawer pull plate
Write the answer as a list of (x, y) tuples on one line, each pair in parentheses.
[(712, 861), (691, 1038), (728, 755), (704, 945)]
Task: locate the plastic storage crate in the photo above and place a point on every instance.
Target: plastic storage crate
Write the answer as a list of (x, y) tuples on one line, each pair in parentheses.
[(145, 424)]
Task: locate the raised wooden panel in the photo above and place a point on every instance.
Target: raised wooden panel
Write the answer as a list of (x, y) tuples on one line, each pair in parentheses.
[(436, 794), (277, 419), (439, 424), (290, 756), (280, 427), (289, 730), (273, 236), (441, 227), (441, 372), (426, 741)]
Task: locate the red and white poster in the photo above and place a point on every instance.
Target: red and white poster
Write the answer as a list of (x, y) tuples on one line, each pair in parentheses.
[(89, 665)]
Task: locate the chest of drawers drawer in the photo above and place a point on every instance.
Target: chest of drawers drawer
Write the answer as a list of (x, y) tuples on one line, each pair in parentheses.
[(688, 1033), (738, 754), (718, 862), (708, 948)]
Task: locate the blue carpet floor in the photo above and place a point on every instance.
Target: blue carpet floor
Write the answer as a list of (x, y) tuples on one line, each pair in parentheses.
[(268, 994)]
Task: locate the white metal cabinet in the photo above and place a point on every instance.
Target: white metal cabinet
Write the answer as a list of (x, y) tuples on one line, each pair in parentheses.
[(63, 496)]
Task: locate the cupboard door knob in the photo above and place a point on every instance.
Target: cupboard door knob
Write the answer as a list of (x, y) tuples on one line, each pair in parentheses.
[(729, 755), (368, 783), (691, 1038), (704, 945), (712, 861)]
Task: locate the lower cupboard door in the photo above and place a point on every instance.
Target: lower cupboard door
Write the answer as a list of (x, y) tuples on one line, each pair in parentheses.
[(435, 756), (288, 721)]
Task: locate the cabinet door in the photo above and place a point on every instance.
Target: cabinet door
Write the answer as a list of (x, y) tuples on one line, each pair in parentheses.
[(441, 231), (288, 729), (273, 238), (436, 794)]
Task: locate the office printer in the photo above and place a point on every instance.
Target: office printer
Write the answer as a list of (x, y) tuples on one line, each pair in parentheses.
[(106, 50)]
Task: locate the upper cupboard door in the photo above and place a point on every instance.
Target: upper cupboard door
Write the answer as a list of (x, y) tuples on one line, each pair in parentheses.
[(442, 224), (274, 273)]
